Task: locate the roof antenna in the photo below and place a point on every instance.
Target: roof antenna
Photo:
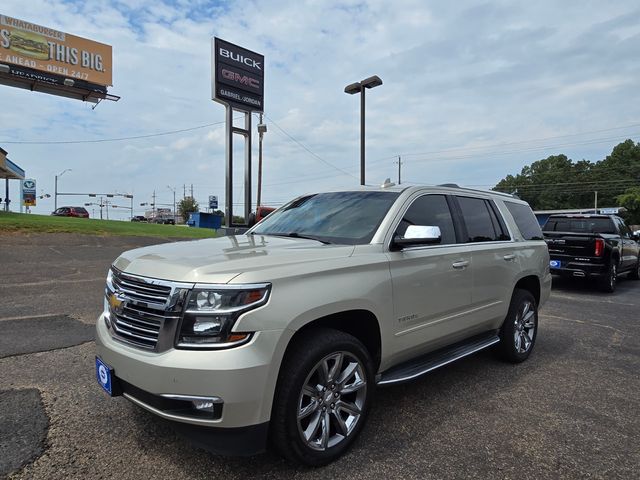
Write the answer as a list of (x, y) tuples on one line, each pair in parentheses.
[(388, 183)]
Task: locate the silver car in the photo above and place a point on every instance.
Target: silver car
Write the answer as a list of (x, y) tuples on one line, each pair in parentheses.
[(280, 336)]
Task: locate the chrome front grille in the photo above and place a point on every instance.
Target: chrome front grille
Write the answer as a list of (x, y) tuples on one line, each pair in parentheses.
[(139, 289), (144, 312)]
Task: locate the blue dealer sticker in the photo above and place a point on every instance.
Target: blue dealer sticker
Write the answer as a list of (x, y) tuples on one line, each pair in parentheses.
[(103, 374)]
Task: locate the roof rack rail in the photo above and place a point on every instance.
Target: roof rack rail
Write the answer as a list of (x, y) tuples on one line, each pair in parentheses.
[(455, 185)]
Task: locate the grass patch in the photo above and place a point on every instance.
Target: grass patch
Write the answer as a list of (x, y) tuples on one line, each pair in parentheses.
[(20, 222)]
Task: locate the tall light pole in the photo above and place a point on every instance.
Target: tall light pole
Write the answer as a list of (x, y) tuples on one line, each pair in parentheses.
[(55, 200), (359, 87), (174, 202), (262, 128)]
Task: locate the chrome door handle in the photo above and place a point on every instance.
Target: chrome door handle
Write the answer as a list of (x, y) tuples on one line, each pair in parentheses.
[(509, 257), (460, 265)]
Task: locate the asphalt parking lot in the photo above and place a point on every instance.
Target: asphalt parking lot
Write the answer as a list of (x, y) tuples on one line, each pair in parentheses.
[(570, 411)]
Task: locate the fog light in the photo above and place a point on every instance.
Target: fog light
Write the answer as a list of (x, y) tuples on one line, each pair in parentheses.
[(203, 405)]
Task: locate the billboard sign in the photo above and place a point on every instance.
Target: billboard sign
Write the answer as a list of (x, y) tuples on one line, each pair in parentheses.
[(31, 47), (29, 192), (238, 76), (213, 201)]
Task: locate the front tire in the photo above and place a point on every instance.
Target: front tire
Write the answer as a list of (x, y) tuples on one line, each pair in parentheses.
[(635, 273), (520, 328), (324, 391)]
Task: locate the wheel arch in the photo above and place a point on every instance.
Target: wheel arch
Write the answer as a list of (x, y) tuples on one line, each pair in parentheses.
[(530, 283), (360, 323)]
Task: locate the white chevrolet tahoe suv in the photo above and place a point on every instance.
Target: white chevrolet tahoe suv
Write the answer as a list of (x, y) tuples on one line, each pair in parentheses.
[(280, 336)]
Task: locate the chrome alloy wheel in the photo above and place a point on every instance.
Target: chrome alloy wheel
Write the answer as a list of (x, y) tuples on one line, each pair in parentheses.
[(525, 327), (331, 401)]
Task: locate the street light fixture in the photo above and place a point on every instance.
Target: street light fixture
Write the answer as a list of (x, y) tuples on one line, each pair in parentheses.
[(359, 87), (55, 200)]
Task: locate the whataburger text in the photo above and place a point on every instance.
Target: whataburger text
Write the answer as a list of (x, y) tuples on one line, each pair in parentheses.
[(41, 48)]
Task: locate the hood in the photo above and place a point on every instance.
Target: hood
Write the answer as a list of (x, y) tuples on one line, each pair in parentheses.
[(219, 260)]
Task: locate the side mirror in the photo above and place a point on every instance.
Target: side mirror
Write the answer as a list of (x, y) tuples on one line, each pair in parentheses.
[(635, 236), (419, 235)]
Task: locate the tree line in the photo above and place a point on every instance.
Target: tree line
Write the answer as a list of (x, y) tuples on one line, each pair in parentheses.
[(557, 182)]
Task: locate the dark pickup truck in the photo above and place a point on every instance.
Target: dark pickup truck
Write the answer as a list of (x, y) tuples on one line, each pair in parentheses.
[(592, 246)]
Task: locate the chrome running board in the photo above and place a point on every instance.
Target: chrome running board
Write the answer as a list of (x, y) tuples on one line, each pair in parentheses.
[(419, 366)]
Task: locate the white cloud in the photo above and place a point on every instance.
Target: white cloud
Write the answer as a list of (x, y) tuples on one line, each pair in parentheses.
[(456, 75)]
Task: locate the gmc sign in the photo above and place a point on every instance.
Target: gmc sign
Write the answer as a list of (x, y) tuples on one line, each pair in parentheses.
[(238, 76)]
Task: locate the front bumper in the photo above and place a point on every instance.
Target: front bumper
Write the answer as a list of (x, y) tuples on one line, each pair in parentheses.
[(243, 378)]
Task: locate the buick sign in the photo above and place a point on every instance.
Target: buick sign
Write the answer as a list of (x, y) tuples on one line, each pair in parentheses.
[(238, 76)]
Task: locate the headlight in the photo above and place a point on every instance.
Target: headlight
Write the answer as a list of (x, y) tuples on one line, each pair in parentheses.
[(212, 311)]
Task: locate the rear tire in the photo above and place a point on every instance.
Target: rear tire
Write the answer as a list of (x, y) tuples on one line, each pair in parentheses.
[(609, 281), (520, 328), (324, 391)]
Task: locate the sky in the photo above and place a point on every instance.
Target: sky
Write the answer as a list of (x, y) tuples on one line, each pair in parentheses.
[(472, 91)]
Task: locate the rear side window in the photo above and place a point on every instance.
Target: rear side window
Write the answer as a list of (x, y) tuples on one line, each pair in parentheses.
[(525, 220), (480, 220), (430, 210)]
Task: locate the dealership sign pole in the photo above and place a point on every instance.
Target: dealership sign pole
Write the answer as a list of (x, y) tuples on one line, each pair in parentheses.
[(238, 83)]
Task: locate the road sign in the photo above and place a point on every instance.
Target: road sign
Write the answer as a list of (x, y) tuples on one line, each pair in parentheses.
[(213, 201), (28, 188)]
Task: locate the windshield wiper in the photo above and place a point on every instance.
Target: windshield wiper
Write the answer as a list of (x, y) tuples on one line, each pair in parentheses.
[(298, 235)]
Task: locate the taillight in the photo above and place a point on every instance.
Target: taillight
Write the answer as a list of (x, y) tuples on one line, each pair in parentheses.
[(599, 247)]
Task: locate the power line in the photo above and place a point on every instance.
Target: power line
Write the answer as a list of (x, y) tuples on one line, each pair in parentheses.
[(510, 152), (533, 140), (104, 140), (300, 144)]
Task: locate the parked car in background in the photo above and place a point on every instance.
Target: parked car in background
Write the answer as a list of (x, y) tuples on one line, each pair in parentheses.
[(282, 335), (259, 214), (163, 221), (79, 212), (598, 247), (139, 218)]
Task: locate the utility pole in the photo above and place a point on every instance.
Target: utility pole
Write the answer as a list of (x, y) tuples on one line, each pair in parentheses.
[(596, 202), (101, 205), (192, 190), (153, 205), (174, 202), (184, 191), (262, 128), (399, 162)]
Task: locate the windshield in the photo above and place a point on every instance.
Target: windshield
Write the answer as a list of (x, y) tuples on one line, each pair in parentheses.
[(580, 225), (350, 218)]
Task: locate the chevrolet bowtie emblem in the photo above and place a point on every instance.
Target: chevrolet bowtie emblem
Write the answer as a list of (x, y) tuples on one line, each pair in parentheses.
[(117, 301)]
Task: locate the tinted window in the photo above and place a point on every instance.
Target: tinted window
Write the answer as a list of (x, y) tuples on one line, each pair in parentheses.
[(336, 217), (430, 210), (477, 218), (498, 222), (525, 220), (579, 225), (624, 230)]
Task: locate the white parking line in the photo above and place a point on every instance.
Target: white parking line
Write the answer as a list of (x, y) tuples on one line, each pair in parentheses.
[(51, 282), (25, 317), (593, 300)]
